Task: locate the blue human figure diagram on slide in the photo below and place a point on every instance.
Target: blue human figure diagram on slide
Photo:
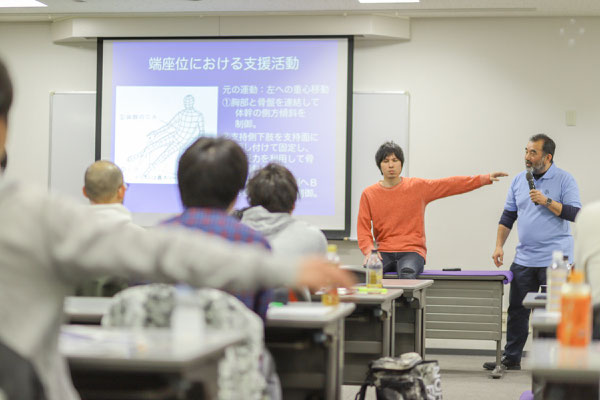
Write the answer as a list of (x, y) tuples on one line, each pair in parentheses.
[(173, 137)]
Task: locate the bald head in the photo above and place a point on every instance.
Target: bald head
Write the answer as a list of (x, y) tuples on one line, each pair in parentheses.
[(104, 183)]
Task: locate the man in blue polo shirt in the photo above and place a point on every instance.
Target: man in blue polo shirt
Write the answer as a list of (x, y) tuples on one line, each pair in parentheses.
[(544, 213)]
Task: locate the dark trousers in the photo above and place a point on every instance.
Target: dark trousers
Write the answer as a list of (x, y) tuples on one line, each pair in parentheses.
[(407, 264), (525, 280)]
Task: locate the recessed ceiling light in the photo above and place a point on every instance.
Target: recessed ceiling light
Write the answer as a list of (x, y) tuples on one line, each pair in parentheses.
[(21, 3), (388, 1)]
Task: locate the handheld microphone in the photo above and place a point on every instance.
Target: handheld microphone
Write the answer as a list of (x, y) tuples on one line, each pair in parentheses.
[(529, 178), (530, 181)]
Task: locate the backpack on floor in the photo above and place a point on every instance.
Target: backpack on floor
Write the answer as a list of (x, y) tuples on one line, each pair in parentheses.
[(407, 377)]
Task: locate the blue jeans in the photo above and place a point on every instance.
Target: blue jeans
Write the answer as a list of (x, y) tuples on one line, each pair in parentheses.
[(407, 264), (525, 280)]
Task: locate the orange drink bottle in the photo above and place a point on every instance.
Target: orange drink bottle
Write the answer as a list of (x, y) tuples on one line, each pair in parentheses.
[(575, 327)]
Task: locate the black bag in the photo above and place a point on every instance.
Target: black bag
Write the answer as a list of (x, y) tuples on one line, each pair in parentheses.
[(407, 377)]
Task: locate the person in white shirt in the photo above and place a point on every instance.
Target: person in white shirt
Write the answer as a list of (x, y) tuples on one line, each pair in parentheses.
[(105, 189)]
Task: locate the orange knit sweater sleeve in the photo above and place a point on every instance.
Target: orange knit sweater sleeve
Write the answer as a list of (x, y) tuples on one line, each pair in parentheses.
[(438, 188)]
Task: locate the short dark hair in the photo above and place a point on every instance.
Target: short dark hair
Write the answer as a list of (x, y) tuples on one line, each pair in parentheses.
[(273, 187), (548, 147), (6, 92), (211, 173), (385, 150)]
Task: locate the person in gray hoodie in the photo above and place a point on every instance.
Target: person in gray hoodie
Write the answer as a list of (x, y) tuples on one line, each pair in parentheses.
[(272, 194)]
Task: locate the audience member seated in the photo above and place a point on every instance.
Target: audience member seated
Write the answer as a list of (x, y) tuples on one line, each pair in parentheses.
[(105, 189), (211, 173), (272, 194)]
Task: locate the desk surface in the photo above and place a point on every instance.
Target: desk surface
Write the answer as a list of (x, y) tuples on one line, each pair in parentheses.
[(86, 309), (534, 300), (142, 350), (463, 277), (545, 321), (551, 360), (406, 284), (299, 314), (372, 298)]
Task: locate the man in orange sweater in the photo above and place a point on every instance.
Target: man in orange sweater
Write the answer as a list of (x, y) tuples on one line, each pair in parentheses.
[(396, 207)]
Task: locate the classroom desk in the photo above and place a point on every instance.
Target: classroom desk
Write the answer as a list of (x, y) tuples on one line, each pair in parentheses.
[(308, 349), (554, 364), (287, 337), (467, 305), (369, 332), (143, 363), (534, 300), (544, 323), (409, 327), (85, 310)]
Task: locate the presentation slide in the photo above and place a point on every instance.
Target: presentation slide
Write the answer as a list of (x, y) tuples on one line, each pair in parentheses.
[(281, 100)]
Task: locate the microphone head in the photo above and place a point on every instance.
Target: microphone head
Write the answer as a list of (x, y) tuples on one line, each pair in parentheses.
[(529, 176), (530, 181)]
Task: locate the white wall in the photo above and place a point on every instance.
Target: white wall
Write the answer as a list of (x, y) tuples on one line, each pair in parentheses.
[(38, 67), (479, 88)]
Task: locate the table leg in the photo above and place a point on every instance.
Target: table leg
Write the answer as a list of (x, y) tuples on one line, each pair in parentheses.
[(498, 372)]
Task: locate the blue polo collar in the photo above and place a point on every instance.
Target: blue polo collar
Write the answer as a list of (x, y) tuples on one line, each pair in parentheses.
[(549, 174)]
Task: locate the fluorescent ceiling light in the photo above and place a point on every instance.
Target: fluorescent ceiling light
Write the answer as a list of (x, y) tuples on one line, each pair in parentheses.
[(21, 3), (388, 1)]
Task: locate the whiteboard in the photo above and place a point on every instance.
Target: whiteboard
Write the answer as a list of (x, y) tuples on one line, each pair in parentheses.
[(377, 118), (72, 141)]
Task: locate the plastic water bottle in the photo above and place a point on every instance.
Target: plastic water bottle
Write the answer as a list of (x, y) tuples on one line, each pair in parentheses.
[(187, 320), (374, 270), (330, 295), (575, 327), (556, 276)]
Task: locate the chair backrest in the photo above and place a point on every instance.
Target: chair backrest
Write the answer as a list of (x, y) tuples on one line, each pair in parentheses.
[(18, 378)]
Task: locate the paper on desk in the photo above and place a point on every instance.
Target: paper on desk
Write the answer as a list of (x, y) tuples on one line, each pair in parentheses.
[(299, 310), (101, 342)]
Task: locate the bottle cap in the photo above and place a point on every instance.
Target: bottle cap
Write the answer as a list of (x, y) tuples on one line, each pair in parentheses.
[(576, 277), (332, 248)]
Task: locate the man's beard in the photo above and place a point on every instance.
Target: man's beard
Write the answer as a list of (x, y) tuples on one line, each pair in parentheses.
[(535, 168)]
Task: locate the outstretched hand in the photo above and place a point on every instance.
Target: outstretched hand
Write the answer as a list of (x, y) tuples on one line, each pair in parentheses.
[(495, 175), (317, 272)]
